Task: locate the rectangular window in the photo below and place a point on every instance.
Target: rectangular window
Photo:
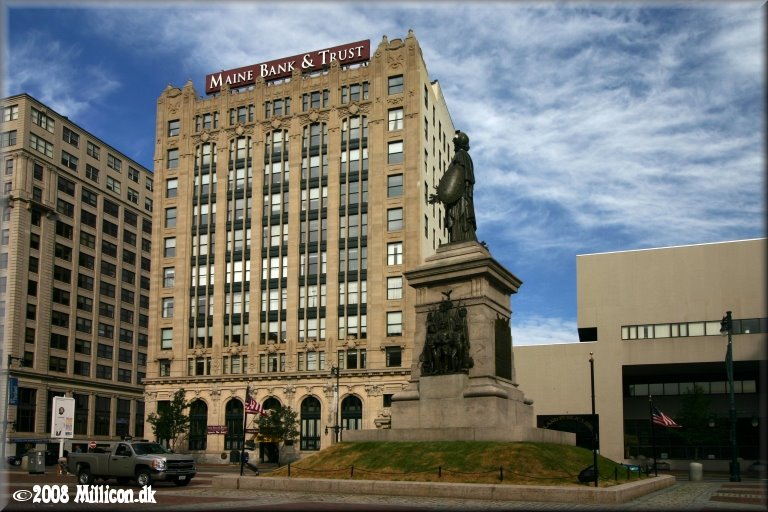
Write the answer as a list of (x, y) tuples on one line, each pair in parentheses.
[(71, 137), (394, 323), (114, 163), (113, 185), (394, 288), (169, 249), (133, 174), (133, 196), (171, 187), (89, 197), (169, 277), (394, 356), (174, 127), (396, 119), (83, 347), (69, 161), (93, 150), (395, 84), (111, 208), (395, 185), (394, 219), (166, 338), (173, 158), (91, 173), (66, 186), (395, 253), (395, 152), (170, 217), (41, 145), (8, 139)]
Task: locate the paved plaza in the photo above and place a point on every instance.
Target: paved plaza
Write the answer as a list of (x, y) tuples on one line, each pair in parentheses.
[(715, 493)]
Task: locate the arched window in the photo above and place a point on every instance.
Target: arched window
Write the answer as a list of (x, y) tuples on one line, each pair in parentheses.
[(198, 425), (310, 424), (233, 419), (352, 413), (271, 403)]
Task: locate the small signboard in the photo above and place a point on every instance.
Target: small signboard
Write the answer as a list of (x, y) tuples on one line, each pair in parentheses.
[(13, 391), (63, 418)]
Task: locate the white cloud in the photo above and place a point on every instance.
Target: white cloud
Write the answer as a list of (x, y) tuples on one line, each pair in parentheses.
[(538, 330), (54, 71)]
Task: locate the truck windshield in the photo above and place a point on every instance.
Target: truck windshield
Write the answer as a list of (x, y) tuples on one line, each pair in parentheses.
[(147, 448)]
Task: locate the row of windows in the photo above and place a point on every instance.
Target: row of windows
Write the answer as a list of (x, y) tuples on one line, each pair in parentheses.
[(282, 106), (682, 388), (276, 362), (72, 138), (92, 416), (683, 329)]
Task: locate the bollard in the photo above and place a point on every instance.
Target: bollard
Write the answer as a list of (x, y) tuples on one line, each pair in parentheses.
[(289, 469), (352, 470), (501, 473), (439, 471), (695, 472)]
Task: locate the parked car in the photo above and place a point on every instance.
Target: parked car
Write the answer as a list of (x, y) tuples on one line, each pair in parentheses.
[(661, 466), (14, 460), (758, 466)]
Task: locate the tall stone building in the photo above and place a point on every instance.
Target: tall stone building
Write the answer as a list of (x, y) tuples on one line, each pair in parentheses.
[(74, 278), (288, 208)]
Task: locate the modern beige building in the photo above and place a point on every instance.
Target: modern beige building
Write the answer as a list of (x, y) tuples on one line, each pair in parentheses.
[(74, 276), (652, 320), (288, 209)]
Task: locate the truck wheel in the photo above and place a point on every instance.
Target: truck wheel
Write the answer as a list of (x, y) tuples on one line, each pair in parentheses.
[(143, 477), (84, 476), (182, 483)]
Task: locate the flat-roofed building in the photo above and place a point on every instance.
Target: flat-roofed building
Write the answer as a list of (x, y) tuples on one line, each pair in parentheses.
[(288, 209), (652, 319), (74, 276)]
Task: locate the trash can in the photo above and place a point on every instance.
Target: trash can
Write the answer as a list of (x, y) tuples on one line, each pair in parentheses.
[(36, 461), (695, 472)]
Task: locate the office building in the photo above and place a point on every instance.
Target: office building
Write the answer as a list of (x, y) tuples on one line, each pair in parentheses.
[(652, 320), (74, 276), (289, 202)]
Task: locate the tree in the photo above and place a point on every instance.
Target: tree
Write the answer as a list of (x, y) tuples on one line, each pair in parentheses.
[(279, 424), (694, 416), (170, 421)]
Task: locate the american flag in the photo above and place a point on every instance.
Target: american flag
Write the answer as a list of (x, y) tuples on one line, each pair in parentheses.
[(251, 405), (659, 418)]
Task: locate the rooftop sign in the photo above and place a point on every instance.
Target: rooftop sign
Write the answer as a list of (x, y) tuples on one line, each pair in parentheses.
[(345, 54)]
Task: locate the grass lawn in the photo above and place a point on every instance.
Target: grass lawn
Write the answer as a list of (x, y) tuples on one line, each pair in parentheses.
[(456, 461)]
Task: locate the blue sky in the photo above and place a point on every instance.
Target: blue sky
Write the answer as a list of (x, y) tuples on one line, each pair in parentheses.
[(594, 127)]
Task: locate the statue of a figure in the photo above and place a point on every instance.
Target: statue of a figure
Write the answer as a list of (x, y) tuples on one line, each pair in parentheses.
[(446, 347), (455, 191)]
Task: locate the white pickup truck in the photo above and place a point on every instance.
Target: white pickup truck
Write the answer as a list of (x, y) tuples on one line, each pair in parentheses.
[(142, 461)]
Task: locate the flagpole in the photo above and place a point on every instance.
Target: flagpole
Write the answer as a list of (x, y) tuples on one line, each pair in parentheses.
[(653, 438)]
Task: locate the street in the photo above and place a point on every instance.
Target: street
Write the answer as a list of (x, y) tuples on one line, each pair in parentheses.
[(715, 493)]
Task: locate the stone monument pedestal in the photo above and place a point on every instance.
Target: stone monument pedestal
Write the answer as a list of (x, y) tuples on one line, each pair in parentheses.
[(481, 402)]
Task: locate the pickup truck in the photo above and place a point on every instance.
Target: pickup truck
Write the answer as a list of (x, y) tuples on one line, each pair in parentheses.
[(142, 461)]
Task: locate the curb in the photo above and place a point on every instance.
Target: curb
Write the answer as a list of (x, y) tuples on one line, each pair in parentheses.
[(551, 494)]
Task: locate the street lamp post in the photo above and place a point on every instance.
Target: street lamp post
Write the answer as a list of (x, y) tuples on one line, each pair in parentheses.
[(594, 422), (337, 426), (11, 359), (726, 329)]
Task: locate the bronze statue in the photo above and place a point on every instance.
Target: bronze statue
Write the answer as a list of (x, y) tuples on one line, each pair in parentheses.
[(455, 191), (446, 347)]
